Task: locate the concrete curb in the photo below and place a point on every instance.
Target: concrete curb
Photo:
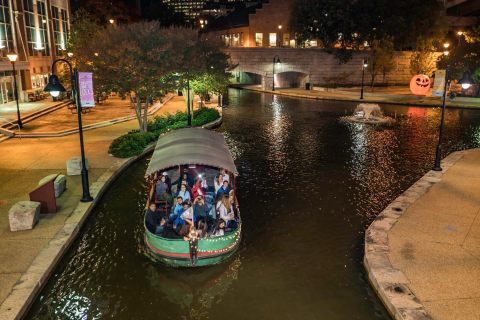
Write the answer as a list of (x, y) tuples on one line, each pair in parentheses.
[(18, 302), (390, 284), (366, 100), (29, 117)]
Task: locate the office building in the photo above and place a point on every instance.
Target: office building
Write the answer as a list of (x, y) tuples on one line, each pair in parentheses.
[(37, 31)]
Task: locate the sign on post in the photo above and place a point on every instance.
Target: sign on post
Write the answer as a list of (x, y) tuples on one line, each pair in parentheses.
[(439, 83), (85, 83)]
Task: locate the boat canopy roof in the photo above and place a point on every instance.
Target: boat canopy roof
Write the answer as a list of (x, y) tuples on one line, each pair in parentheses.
[(191, 146)]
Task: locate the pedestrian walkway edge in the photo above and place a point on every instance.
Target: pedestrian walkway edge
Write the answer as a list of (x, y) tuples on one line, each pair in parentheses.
[(450, 104), (23, 294), (391, 284)]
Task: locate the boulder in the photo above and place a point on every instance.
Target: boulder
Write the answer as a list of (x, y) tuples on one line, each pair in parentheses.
[(74, 166), (60, 183), (23, 215)]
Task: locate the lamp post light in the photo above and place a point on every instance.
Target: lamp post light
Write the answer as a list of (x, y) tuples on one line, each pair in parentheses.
[(465, 81), (55, 87), (13, 57), (276, 60), (111, 21), (364, 66)]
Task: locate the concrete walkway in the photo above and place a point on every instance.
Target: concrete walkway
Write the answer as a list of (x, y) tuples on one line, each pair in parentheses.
[(29, 160), (423, 252), (394, 96)]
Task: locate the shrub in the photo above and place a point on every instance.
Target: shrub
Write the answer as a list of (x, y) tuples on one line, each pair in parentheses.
[(128, 145), (204, 116), (134, 142)]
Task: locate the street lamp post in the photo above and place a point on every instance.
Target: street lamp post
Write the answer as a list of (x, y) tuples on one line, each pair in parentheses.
[(55, 87), (13, 57), (276, 60), (465, 81), (364, 65)]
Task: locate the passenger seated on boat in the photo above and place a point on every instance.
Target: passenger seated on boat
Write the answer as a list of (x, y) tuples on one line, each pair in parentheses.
[(185, 218), (218, 182), (202, 229), (225, 212), (225, 175), (200, 210), (177, 209), (184, 193), (219, 230), (224, 189), (200, 187), (162, 192), (167, 181), (152, 218)]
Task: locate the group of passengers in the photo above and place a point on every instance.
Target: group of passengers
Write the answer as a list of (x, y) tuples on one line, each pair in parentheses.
[(197, 209)]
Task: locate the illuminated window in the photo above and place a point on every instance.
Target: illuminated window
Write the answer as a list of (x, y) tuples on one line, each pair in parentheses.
[(36, 27), (60, 29), (258, 39), (286, 39), (272, 40), (6, 39)]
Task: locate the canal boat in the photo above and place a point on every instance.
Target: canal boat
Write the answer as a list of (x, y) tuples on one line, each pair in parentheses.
[(196, 152)]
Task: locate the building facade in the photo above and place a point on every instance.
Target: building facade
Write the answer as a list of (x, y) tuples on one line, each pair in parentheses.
[(37, 31), (263, 25)]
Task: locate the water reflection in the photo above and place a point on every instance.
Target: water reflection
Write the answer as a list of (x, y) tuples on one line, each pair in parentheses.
[(195, 293), (308, 187)]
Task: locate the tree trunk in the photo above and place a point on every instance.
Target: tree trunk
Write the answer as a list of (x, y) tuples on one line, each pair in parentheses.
[(138, 113), (145, 115)]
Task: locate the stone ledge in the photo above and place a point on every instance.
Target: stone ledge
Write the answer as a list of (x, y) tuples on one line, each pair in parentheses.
[(390, 284), (18, 302)]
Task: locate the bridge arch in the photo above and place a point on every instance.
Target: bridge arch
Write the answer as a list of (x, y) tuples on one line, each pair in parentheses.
[(291, 79)]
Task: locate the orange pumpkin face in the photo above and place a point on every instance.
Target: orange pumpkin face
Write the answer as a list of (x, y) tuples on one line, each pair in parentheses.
[(420, 84)]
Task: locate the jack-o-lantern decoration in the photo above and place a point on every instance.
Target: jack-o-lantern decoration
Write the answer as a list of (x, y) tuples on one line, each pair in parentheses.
[(420, 84)]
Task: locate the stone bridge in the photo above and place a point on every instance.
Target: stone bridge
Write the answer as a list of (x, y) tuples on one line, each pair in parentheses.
[(315, 66)]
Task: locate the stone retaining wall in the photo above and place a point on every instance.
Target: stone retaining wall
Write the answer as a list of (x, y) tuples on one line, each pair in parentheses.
[(319, 66)]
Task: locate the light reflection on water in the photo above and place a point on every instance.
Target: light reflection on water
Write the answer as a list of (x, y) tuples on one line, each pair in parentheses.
[(308, 187)]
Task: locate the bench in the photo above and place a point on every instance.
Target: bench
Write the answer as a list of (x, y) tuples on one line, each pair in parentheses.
[(45, 194)]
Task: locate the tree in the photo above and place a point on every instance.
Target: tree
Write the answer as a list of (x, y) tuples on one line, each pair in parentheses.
[(381, 59), (144, 60), (464, 53), (423, 58), (342, 25)]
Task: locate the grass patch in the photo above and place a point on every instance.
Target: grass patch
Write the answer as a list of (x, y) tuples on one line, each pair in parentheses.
[(134, 142)]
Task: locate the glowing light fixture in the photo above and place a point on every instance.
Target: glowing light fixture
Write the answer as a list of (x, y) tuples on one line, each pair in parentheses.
[(12, 57), (465, 81)]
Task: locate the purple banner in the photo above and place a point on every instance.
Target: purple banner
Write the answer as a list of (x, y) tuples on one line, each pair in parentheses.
[(85, 83)]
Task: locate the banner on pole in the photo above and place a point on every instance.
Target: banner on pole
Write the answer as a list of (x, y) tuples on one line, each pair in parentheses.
[(85, 83), (439, 83)]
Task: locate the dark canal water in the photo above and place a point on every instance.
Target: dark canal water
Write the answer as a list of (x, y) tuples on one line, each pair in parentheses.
[(309, 187)]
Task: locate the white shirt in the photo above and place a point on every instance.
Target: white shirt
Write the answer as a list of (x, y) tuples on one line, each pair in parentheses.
[(225, 215), (187, 214)]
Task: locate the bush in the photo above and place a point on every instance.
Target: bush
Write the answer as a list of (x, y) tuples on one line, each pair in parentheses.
[(128, 145), (204, 116), (134, 142)]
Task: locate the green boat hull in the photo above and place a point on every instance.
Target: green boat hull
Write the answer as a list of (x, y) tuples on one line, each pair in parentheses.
[(176, 252)]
